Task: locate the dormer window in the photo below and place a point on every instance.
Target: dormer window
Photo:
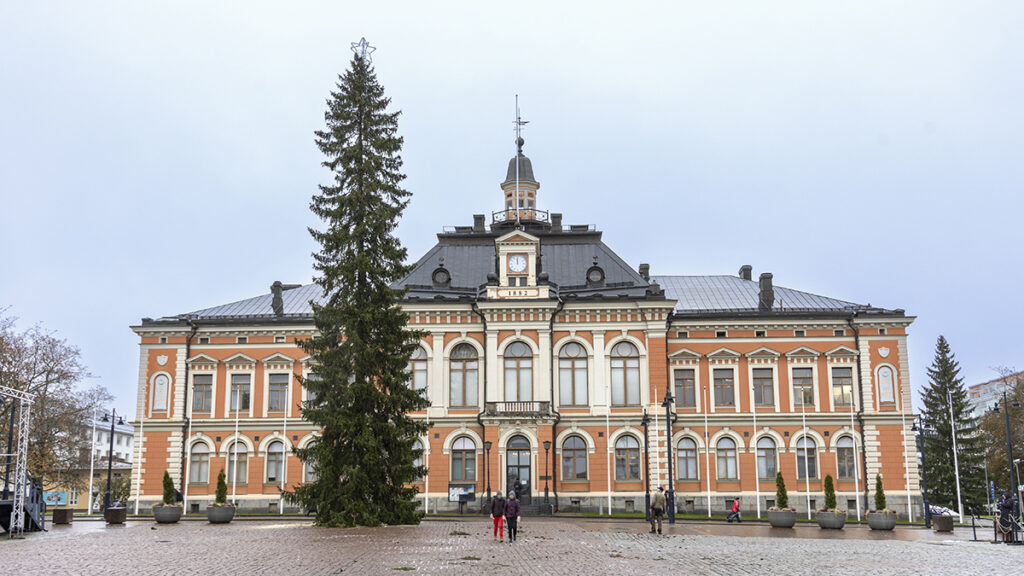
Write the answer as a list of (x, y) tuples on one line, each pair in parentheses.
[(441, 277), (595, 275)]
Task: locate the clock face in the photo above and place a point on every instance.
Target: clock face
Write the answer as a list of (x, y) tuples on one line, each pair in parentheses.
[(517, 263)]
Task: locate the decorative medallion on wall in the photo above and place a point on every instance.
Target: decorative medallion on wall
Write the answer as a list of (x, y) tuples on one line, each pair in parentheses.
[(161, 360), (883, 352)]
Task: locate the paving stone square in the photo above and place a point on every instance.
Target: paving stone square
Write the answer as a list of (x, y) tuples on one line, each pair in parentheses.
[(464, 546)]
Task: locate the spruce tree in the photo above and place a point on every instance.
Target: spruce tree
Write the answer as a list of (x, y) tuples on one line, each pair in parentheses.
[(781, 496), (945, 384), (364, 457), (879, 494)]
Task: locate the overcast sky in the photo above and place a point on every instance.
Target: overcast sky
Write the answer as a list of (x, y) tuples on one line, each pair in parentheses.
[(157, 158)]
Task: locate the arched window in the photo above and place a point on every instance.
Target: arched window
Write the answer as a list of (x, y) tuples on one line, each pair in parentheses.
[(686, 461), (726, 458), (238, 463), (572, 375), (574, 459), (886, 386), (418, 460), (275, 462), (806, 458), (625, 375), (627, 458), (518, 373), (766, 462), (418, 369), (846, 459), (199, 467), (464, 459), (463, 376), (309, 471)]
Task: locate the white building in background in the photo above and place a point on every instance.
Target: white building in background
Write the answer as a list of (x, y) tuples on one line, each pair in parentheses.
[(982, 397), (124, 441)]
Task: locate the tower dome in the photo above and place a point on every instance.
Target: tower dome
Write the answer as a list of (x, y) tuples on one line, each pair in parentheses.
[(520, 188)]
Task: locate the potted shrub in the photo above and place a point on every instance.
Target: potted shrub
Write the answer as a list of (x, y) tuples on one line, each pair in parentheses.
[(830, 517), (881, 518), (220, 512), (781, 515), (168, 511)]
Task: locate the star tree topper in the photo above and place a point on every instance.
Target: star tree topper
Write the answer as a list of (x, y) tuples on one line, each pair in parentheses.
[(363, 49)]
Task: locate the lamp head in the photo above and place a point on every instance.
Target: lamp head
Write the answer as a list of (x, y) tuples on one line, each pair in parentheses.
[(487, 445), (547, 445), (120, 421), (645, 420), (105, 418)]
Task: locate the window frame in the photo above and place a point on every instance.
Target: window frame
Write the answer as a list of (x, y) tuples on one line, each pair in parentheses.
[(806, 384), (517, 372), (199, 463), (758, 386), (836, 405), (571, 458), (461, 366), (688, 459), (730, 458), (849, 461), (208, 394), (688, 387), (716, 386), (419, 364), (463, 455), (282, 390), (811, 461), (235, 452), (627, 454), (234, 407), (772, 452), (625, 367), (276, 458), (570, 366)]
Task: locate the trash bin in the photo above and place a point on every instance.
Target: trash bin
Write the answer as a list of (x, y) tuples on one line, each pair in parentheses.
[(115, 515), (63, 515)]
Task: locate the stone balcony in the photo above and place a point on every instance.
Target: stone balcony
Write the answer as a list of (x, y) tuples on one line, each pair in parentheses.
[(517, 409)]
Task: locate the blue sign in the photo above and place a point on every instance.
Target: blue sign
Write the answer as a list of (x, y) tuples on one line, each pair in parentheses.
[(56, 498)]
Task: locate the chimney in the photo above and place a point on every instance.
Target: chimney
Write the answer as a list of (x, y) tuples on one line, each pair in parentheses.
[(556, 222), (478, 222), (277, 303), (746, 271), (645, 271), (766, 295)]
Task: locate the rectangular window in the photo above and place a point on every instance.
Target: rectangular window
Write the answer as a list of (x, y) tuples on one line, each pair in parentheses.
[(204, 340), (764, 387), (278, 339), (163, 340), (846, 463), (839, 333), (881, 331), (243, 340), (240, 392), (278, 394), (685, 387), (842, 387), (803, 387), (310, 395), (202, 393), (724, 389), (760, 334), (799, 333), (682, 334), (721, 334)]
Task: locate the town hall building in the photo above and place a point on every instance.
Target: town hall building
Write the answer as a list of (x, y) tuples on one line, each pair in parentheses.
[(550, 364)]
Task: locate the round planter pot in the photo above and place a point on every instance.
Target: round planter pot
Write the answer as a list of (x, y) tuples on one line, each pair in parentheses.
[(166, 514), (831, 520), (943, 523), (782, 518), (220, 514), (115, 515), (881, 521)]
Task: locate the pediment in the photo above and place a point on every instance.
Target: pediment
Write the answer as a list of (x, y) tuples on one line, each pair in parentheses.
[(278, 358), (684, 354), (803, 351), (517, 237), (842, 351), (239, 359), (201, 359), (763, 352), (724, 353)]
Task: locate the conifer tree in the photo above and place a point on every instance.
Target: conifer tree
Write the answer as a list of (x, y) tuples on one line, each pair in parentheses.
[(945, 384), (879, 494), (781, 496), (364, 458)]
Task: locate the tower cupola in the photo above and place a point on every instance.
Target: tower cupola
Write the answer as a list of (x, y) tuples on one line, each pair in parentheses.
[(520, 187)]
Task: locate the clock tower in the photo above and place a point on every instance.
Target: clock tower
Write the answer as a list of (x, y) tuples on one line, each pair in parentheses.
[(517, 253)]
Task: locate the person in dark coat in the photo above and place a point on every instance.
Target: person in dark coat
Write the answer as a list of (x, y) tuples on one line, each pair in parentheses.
[(1007, 506), (512, 516), (498, 516)]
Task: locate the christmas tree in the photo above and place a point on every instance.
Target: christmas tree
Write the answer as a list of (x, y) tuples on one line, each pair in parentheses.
[(364, 458)]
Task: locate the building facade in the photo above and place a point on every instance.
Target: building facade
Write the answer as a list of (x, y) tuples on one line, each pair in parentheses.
[(983, 397), (543, 352)]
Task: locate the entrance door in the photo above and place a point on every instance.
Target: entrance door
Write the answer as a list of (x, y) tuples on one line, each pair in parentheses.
[(517, 469)]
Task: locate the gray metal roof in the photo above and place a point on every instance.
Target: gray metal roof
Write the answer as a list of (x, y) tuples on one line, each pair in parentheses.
[(525, 170), (704, 294), (296, 304)]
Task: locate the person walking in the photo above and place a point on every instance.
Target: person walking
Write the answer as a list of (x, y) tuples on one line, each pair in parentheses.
[(498, 516), (735, 514), (657, 508), (512, 516)]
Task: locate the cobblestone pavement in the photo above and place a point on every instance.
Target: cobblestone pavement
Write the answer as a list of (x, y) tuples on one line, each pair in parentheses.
[(292, 546)]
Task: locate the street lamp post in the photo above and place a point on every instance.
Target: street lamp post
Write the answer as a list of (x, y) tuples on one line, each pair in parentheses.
[(918, 429), (110, 453), (671, 496), (547, 446), (647, 469), (1009, 446), (487, 470)]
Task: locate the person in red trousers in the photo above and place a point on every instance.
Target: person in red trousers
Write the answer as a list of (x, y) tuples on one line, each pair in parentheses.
[(498, 516)]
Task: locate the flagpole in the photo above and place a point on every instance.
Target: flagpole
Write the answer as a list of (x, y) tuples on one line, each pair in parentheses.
[(856, 465), (956, 461), (707, 445), (757, 470), (807, 475), (138, 473), (92, 456)]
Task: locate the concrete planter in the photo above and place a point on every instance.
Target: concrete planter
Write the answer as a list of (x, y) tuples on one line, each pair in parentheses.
[(220, 514), (115, 515), (943, 523), (782, 518), (831, 520), (63, 515), (881, 520), (167, 513)]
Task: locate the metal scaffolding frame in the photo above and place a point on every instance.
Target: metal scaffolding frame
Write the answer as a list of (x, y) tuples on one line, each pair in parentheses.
[(22, 402)]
